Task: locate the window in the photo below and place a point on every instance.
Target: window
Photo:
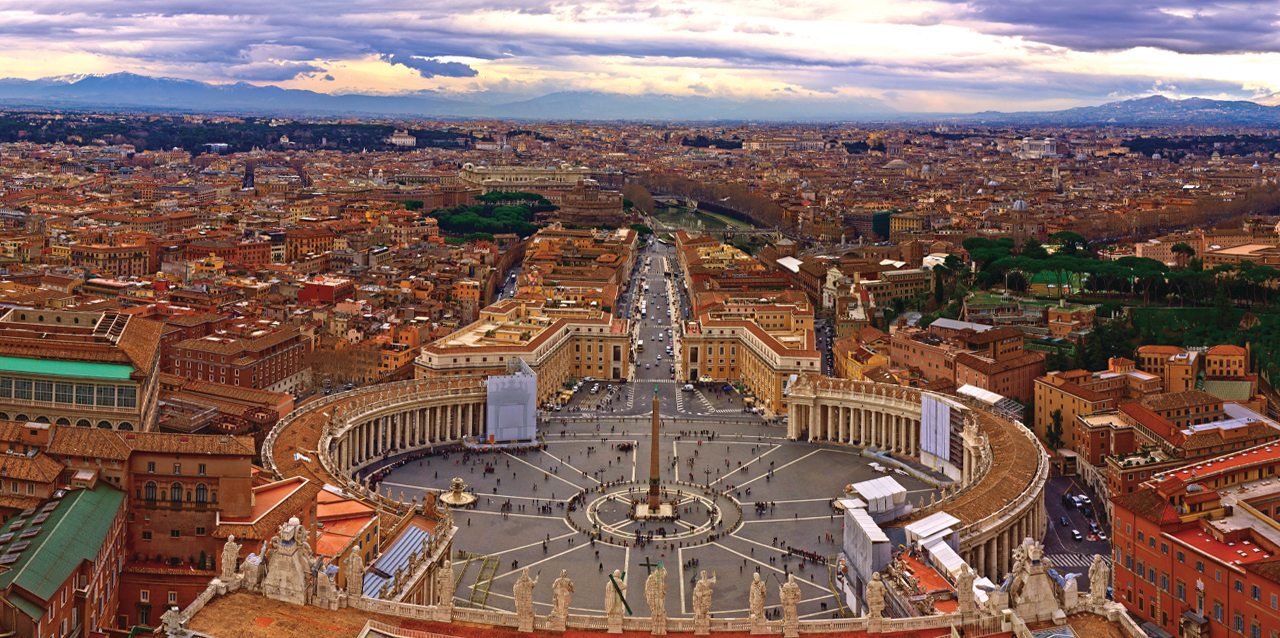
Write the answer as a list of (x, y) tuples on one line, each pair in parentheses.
[(199, 531), (106, 396), (6, 387), (173, 533), (1180, 591), (44, 390), (84, 394), (1255, 592), (22, 389), (1239, 586), (151, 468), (201, 470), (144, 596), (146, 536), (64, 392), (1239, 623), (1164, 548), (1141, 537), (177, 468), (1217, 611), (175, 492), (202, 493), (1200, 566), (150, 491), (1164, 582), (173, 598), (127, 396), (1182, 558)]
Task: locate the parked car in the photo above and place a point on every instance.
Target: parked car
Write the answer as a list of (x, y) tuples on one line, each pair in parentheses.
[(1075, 533)]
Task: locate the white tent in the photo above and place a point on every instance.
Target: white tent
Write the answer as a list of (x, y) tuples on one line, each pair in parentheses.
[(881, 494)]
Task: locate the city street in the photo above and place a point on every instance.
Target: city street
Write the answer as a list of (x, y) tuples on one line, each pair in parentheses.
[(1068, 554)]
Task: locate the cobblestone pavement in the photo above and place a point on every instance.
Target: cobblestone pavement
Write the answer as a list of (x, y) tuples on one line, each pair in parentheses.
[(580, 455)]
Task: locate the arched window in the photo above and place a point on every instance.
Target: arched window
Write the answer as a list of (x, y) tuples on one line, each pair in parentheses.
[(42, 419), (202, 493), (125, 426), (175, 492), (4, 416), (106, 425), (22, 417), (83, 423), (63, 421), (151, 491)]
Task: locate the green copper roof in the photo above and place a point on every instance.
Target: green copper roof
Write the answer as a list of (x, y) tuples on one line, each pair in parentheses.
[(73, 369), (73, 532)]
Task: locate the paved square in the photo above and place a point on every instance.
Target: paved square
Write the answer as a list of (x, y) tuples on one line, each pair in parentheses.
[(520, 519)]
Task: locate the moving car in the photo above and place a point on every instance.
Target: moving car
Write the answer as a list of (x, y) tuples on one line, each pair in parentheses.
[(1075, 533), (1065, 522)]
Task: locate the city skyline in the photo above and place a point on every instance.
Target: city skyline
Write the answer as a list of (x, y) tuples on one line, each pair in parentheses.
[(941, 57)]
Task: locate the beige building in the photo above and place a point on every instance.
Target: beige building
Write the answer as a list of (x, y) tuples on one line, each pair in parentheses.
[(559, 338), (761, 341)]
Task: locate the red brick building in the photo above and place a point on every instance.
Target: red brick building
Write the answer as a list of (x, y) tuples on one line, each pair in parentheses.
[(1196, 549)]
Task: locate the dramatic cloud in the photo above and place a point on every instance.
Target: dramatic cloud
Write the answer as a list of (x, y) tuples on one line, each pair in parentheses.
[(1182, 26), (938, 55), (429, 68)]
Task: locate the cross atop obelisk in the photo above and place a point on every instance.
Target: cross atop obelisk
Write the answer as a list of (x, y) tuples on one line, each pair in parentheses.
[(654, 499)]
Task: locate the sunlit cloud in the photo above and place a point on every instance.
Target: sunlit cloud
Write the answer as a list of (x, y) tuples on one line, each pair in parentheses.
[(915, 55)]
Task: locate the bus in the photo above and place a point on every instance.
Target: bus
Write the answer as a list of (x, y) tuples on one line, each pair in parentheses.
[(643, 311)]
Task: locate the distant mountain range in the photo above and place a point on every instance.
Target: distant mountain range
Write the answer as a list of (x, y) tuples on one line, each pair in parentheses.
[(1156, 109), (131, 91), (127, 90)]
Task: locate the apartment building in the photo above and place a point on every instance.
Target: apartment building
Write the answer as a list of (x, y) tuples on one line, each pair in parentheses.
[(262, 355), (1195, 547), (567, 335), (760, 341), (1080, 392)]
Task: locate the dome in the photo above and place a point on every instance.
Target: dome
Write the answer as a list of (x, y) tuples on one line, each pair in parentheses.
[(1155, 156), (1020, 205), (897, 165), (993, 183)]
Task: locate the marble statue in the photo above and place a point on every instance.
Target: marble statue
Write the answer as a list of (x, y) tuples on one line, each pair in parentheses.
[(445, 584), (655, 593), (755, 605), (790, 594), (702, 604), (756, 600), (614, 590), (289, 562), (561, 592), (875, 596), (326, 592), (172, 621), (1099, 579), (355, 572), (964, 588), (230, 554), (523, 591)]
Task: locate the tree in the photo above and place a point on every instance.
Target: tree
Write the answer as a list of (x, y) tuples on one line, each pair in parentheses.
[(1070, 242), (1183, 252), (1053, 436), (642, 229), (1032, 249)]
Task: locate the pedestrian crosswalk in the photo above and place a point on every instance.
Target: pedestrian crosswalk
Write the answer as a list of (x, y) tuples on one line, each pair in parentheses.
[(1074, 561)]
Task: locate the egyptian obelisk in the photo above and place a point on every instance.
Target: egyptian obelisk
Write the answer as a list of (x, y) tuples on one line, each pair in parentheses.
[(654, 500)]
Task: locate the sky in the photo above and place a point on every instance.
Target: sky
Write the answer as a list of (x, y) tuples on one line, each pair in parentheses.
[(911, 55)]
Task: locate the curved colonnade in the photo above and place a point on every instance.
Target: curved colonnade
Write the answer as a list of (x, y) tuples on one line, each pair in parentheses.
[(999, 498), (331, 439)]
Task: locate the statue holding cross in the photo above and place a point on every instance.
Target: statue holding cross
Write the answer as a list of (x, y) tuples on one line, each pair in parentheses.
[(615, 600)]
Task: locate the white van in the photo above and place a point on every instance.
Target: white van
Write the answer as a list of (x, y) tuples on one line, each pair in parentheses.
[(688, 387)]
